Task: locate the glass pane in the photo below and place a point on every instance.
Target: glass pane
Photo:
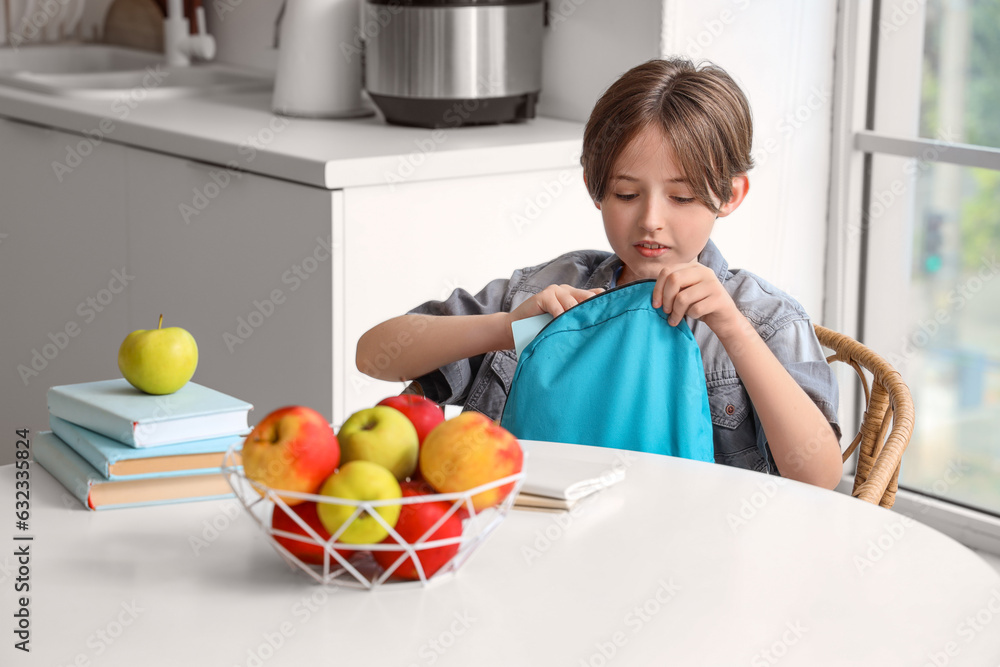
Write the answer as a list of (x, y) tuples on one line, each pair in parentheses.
[(951, 351), (960, 92)]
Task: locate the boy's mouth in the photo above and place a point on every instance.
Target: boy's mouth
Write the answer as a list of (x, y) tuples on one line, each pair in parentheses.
[(650, 249)]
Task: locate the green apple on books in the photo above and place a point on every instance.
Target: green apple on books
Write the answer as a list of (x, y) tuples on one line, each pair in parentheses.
[(116, 409)]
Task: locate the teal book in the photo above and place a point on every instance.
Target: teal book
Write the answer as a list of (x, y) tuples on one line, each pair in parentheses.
[(116, 409), (117, 461), (98, 493)]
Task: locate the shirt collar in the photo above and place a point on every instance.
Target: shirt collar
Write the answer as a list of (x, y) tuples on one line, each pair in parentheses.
[(713, 259), (607, 272)]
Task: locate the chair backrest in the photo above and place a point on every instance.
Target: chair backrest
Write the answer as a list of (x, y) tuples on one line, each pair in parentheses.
[(887, 423)]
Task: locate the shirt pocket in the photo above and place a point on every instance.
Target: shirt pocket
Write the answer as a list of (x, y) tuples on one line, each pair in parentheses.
[(492, 384), (733, 431)]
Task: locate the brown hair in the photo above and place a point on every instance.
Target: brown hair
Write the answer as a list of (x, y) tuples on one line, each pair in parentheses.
[(702, 112)]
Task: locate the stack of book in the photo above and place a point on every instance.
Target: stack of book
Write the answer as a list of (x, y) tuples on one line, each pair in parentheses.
[(113, 446), (557, 484)]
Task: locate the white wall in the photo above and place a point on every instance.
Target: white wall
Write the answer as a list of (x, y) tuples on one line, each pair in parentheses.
[(782, 54), (589, 44)]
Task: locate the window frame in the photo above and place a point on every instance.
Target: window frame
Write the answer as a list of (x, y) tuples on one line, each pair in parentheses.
[(855, 143)]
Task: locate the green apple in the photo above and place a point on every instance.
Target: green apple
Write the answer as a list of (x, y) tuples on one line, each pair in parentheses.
[(359, 480), (158, 361), (382, 435)]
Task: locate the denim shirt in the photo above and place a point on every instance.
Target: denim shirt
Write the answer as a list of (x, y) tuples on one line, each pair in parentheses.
[(482, 383)]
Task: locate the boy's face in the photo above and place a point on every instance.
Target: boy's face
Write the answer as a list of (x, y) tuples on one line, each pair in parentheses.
[(651, 218)]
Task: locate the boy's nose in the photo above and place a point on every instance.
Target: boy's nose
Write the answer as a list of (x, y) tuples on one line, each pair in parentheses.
[(652, 218)]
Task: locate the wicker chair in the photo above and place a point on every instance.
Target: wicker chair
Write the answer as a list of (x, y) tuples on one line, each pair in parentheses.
[(887, 423)]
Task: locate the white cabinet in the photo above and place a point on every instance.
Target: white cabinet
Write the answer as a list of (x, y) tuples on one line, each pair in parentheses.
[(409, 243)]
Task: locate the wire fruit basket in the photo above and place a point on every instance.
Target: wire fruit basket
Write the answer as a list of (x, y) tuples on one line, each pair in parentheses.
[(330, 561)]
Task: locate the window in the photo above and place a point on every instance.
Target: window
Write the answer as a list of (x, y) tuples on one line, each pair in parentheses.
[(919, 205)]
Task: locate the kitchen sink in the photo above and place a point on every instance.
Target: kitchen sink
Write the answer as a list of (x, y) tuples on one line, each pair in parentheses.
[(105, 71)]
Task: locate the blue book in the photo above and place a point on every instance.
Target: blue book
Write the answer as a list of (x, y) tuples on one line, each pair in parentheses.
[(118, 410), (117, 461), (97, 493)]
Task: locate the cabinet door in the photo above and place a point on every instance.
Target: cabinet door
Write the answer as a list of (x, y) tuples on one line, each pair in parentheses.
[(405, 244), (244, 263), (64, 277)]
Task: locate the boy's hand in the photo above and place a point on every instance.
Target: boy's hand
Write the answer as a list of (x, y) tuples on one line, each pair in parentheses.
[(554, 299), (694, 289)]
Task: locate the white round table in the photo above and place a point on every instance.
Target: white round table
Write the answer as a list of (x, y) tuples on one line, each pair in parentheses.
[(682, 563)]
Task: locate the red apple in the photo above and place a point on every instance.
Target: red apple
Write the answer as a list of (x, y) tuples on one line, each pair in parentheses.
[(307, 552), (414, 523), (422, 412), (292, 449), (468, 451)]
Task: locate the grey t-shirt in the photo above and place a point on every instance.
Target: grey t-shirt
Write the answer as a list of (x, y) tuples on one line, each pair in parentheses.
[(482, 383)]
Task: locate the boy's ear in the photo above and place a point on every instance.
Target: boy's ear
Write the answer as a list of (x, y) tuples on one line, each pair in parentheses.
[(741, 185)]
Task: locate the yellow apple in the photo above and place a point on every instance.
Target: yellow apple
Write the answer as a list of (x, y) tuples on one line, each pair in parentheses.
[(158, 361), (382, 435), (359, 480)]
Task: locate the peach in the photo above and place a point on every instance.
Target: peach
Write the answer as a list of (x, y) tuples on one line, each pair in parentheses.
[(468, 451)]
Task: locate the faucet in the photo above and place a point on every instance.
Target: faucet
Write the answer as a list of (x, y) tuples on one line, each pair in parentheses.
[(178, 42)]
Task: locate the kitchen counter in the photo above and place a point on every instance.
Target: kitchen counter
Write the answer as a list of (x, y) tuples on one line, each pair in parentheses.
[(239, 131)]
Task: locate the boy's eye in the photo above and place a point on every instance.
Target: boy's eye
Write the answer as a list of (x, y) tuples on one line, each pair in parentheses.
[(683, 200), (624, 197)]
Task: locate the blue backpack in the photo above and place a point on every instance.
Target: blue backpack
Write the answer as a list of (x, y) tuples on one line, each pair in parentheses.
[(612, 372)]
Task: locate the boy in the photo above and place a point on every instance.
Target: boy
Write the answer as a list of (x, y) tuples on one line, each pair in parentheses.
[(665, 153)]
